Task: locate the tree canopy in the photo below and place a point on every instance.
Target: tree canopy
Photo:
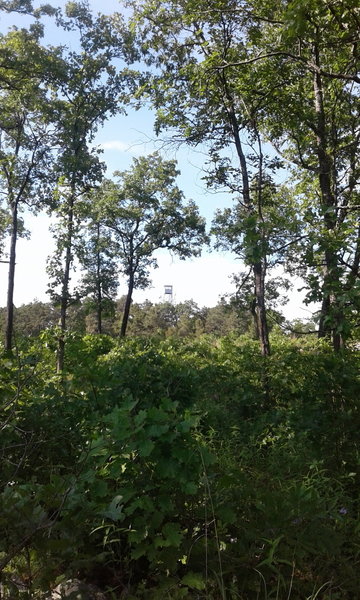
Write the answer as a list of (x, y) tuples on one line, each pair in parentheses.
[(145, 212), (239, 76)]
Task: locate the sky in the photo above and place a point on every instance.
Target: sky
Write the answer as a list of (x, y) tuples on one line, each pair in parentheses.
[(204, 279)]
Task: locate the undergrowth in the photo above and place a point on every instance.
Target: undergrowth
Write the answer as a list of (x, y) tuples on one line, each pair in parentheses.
[(164, 469)]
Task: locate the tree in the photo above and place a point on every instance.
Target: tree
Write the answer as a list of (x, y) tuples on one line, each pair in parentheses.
[(263, 241), (91, 92), (26, 7), (145, 211), (31, 319), (99, 282), (286, 72), (227, 317), (26, 141), (168, 319), (148, 319), (309, 59), (203, 103), (243, 301)]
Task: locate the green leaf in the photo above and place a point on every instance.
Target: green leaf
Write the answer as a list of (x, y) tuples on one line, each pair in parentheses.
[(194, 580), (146, 447), (114, 512), (172, 534)]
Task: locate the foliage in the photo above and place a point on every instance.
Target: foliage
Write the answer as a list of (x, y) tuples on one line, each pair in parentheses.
[(185, 463), (234, 79), (146, 212), (146, 319), (27, 138), (158, 468)]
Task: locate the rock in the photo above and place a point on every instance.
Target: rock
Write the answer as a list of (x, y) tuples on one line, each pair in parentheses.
[(76, 590)]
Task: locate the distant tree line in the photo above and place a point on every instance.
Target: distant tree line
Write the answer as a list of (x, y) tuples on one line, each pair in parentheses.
[(146, 319)]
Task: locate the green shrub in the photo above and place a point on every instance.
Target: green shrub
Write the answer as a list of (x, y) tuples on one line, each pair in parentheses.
[(181, 469)]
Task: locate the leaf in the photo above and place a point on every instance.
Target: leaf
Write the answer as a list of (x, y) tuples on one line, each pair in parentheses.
[(146, 447), (99, 488), (194, 580), (172, 534), (114, 512), (226, 514), (190, 487), (140, 550), (140, 418)]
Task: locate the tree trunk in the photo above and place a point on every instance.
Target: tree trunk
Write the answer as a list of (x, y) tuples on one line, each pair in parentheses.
[(11, 281), (255, 317), (331, 316), (64, 301), (262, 327), (99, 309), (98, 283), (127, 306), (259, 266)]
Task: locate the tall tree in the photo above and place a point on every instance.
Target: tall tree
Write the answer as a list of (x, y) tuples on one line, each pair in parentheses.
[(203, 103), (91, 92), (27, 138), (146, 212), (309, 59), (99, 282), (288, 72), (263, 240)]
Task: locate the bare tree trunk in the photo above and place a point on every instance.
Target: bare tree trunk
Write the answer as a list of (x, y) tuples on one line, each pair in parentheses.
[(11, 281), (255, 318), (262, 326), (99, 298), (64, 302), (127, 306), (331, 315), (260, 265)]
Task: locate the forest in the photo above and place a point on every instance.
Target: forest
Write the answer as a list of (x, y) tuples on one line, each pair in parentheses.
[(169, 450)]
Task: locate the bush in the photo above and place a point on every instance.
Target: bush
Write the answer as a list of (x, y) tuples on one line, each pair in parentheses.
[(181, 469)]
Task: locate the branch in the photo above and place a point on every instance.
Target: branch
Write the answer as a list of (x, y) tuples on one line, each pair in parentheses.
[(241, 12), (288, 327), (309, 64), (303, 163), (352, 207), (45, 523), (289, 243), (352, 268)]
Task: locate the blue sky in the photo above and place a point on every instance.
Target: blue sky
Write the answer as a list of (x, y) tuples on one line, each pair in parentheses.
[(202, 279)]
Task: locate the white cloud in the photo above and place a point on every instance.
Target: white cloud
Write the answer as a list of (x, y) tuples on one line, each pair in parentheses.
[(115, 145), (135, 149)]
